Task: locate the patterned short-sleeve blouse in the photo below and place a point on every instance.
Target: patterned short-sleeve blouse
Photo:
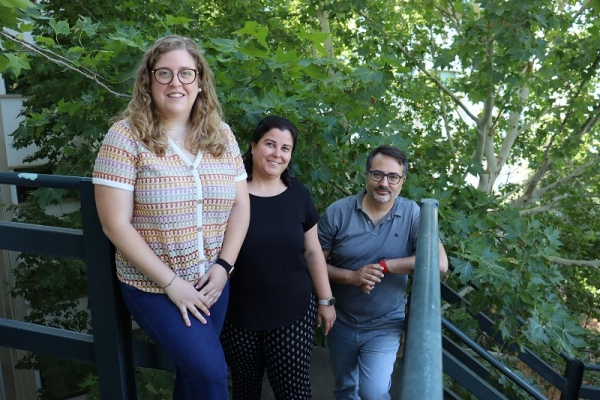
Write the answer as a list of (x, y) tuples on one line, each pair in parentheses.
[(180, 208)]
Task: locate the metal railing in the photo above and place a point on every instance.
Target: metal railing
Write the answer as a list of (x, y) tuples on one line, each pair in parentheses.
[(426, 349), (111, 346), (468, 370), (422, 365)]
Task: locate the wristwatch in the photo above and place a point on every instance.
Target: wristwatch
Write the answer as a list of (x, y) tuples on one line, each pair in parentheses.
[(327, 302)]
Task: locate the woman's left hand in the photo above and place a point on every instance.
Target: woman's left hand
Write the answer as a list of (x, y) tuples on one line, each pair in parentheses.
[(212, 283), (326, 316)]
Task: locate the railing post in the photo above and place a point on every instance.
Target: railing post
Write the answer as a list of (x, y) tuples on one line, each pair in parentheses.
[(111, 323), (422, 366), (574, 374)]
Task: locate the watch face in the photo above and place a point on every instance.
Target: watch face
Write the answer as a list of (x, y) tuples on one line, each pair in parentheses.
[(327, 302)]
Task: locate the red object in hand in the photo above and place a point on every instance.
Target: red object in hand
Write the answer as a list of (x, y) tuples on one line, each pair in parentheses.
[(384, 265)]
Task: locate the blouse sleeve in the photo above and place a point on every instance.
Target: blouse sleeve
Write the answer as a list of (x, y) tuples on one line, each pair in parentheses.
[(233, 150), (117, 158)]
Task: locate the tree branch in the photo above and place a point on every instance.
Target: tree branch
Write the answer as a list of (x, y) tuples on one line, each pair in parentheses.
[(546, 207), (591, 121), (581, 263), (345, 191), (533, 182), (532, 121), (485, 132), (584, 7), (423, 70), (513, 130), (446, 122), (323, 17), (58, 59), (577, 173)]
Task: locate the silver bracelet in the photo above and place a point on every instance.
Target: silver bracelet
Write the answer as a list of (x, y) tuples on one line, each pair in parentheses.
[(169, 284)]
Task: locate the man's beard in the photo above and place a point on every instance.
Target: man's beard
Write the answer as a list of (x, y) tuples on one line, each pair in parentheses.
[(381, 198)]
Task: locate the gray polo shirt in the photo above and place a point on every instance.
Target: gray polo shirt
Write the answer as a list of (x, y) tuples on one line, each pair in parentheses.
[(353, 241)]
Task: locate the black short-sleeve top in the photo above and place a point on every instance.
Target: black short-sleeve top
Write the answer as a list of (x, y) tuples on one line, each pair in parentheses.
[(271, 286)]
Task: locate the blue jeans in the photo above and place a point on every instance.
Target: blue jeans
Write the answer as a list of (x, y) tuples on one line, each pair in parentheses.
[(195, 350), (362, 361)]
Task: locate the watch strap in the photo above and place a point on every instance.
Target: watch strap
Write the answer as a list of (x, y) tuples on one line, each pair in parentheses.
[(327, 302), (228, 267), (383, 263)]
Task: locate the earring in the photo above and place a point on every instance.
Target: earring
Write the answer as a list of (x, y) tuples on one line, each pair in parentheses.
[(199, 89)]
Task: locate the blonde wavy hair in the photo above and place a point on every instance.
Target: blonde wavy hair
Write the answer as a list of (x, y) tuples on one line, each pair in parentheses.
[(205, 132)]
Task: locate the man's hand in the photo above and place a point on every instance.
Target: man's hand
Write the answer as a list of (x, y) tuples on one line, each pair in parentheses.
[(368, 276)]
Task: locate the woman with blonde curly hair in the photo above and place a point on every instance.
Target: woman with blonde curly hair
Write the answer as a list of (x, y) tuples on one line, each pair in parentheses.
[(171, 195)]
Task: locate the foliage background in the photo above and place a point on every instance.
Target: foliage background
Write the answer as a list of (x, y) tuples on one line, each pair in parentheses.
[(470, 90)]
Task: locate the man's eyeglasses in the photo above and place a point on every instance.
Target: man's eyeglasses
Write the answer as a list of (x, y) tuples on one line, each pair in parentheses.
[(393, 179), (164, 76)]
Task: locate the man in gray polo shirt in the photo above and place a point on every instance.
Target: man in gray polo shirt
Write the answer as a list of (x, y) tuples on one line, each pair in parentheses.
[(369, 241)]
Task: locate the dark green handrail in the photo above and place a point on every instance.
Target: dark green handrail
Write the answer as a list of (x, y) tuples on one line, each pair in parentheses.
[(422, 366)]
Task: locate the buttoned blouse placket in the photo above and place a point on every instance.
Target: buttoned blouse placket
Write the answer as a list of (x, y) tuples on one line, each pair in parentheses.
[(193, 169)]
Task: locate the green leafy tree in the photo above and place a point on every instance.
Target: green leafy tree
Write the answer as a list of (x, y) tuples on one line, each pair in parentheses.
[(471, 90)]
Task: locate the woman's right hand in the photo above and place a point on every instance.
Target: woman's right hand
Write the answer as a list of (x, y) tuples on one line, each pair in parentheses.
[(188, 300)]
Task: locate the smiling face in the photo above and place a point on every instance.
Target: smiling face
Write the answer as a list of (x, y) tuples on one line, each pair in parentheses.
[(272, 154), (174, 100), (383, 192)]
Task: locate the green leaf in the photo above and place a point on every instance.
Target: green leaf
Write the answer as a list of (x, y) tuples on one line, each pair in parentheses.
[(396, 63), (317, 39), (314, 71), (367, 75), (504, 329), (85, 25), (514, 230), (252, 51), (465, 270), (256, 30), (3, 62), (325, 174), (46, 40), (70, 108), (8, 18), (47, 196), (17, 63), (172, 20), (225, 45), (283, 56), (76, 49), (552, 235), (488, 255), (461, 223), (535, 332), (565, 331), (60, 27), (20, 4)]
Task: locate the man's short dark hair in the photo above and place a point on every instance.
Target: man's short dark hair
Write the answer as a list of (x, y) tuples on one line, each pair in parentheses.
[(390, 151)]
